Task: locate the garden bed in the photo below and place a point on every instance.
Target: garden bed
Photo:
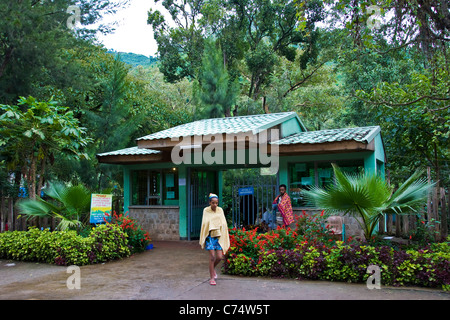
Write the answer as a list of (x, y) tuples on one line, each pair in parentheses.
[(285, 253)]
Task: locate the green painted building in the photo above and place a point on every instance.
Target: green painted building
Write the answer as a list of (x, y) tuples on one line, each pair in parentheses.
[(169, 174)]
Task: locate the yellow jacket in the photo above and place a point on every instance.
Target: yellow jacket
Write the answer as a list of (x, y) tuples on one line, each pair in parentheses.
[(216, 224)]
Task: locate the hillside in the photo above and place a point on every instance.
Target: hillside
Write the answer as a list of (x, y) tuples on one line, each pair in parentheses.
[(134, 59)]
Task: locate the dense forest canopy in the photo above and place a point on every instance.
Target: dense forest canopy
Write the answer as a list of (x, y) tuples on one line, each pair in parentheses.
[(336, 63)]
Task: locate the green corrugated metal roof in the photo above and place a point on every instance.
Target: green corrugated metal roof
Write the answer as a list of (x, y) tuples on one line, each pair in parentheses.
[(230, 125), (133, 151), (254, 123), (360, 134)]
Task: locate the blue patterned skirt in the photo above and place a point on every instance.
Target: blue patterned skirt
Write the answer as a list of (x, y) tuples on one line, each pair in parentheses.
[(212, 243)]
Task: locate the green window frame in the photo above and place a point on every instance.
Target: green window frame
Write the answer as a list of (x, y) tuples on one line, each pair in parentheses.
[(303, 175), (154, 187)]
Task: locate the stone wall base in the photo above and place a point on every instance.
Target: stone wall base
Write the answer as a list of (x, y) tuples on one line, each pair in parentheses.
[(161, 222), (352, 227)]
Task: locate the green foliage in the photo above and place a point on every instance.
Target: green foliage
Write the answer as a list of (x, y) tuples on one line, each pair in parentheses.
[(340, 74), (180, 48), (427, 266), (109, 243), (313, 226), (241, 264), (421, 102), (104, 243), (393, 79), (424, 231), (34, 35), (422, 24)]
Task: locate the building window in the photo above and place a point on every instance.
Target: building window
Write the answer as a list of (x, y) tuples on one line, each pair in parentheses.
[(139, 182), (170, 185), (146, 186), (303, 175)]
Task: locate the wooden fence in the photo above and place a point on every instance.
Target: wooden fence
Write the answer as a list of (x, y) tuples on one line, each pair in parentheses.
[(434, 218), (8, 215), (11, 219)]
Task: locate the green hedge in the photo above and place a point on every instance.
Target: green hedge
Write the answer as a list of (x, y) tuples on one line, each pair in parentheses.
[(288, 257), (104, 243)]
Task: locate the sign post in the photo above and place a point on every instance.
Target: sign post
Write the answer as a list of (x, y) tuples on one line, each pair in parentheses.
[(100, 204)]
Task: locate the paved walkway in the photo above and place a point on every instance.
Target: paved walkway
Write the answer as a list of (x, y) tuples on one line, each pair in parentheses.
[(178, 271)]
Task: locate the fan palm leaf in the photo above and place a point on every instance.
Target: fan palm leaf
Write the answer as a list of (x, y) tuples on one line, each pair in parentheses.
[(368, 197), (69, 204)]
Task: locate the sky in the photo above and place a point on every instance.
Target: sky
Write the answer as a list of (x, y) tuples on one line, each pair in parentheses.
[(132, 32)]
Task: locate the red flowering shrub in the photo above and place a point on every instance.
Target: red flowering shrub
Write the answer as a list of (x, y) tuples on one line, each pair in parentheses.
[(251, 243), (312, 227), (138, 238), (309, 252)]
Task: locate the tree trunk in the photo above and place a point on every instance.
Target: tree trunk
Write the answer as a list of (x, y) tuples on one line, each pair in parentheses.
[(41, 176), (265, 106), (235, 111), (444, 225), (429, 195), (6, 60), (437, 189), (250, 90), (32, 178)]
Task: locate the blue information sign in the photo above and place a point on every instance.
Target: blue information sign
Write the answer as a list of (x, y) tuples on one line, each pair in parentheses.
[(246, 191)]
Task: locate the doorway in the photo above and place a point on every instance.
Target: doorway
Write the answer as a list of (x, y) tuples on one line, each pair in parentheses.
[(201, 184), (248, 194)]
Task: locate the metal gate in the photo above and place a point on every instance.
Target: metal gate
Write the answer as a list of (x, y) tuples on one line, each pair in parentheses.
[(251, 196), (201, 184)]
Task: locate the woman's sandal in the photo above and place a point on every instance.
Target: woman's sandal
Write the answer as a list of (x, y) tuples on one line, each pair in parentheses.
[(212, 282)]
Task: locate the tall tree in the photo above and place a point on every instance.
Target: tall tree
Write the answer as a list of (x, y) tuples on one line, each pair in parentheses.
[(399, 71), (272, 29), (214, 92), (424, 24), (33, 132), (113, 123), (180, 47), (253, 34), (33, 37)]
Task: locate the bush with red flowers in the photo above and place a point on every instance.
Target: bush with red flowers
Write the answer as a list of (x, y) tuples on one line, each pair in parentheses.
[(310, 253), (138, 238)]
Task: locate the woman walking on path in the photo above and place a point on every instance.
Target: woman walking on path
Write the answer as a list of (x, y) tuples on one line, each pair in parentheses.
[(214, 234)]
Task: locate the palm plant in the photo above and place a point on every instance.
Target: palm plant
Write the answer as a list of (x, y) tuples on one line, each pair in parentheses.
[(369, 196), (69, 204)]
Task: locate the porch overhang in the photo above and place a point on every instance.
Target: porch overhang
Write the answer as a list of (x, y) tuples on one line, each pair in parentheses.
[(164, 155), (130, 159), (133, 155), (325, 148)]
